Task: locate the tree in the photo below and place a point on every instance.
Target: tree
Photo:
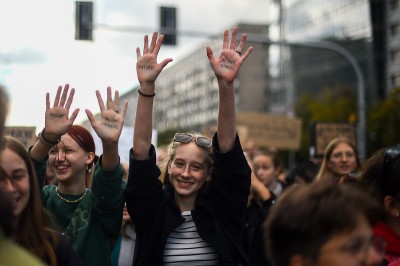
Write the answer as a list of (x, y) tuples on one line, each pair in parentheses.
[(332, 105), (383, 122)]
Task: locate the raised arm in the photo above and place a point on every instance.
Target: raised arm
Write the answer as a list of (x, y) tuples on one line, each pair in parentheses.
[(109, 126), (226, 67), (147, 72), (57, 122)]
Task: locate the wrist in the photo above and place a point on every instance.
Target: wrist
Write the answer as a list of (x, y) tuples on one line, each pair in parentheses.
[(48, 139)]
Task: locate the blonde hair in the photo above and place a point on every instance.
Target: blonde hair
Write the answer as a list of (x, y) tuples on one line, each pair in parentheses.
[(324, 172), (171, 151)]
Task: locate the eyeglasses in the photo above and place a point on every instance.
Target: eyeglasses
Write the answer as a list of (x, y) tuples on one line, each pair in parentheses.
[(186, 138), (359, 248), (391, 153)]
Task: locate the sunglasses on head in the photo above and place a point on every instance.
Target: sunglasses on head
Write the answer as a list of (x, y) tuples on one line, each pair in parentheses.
[(186, 138), (391, 153)]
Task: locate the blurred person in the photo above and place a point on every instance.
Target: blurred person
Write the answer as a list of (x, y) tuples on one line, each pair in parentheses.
[(302, 173), (321, 224), (197, 215), (50, 177), (3, 110), (250, 149), (381, 177), (30, 219), (125, 167), (340, 158), (162, 154), (91, 217), (124, 249), (11, 254), (267, 166), (259, 202)]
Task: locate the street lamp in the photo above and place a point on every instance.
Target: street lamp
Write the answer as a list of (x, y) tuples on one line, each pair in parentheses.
[(361, 109)]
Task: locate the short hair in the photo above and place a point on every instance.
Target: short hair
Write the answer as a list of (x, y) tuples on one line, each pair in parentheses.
[(305, 217)]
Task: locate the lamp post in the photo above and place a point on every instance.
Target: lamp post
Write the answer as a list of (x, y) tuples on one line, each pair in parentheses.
[(361, 106)]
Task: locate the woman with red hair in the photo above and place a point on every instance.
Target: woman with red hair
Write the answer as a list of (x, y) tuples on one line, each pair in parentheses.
[(91, 217)]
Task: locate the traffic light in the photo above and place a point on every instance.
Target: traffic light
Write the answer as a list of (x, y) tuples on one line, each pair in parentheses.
[(84, 20), (168, 24)]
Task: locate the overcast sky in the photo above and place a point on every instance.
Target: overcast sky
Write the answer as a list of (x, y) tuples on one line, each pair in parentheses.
[(38, 51)]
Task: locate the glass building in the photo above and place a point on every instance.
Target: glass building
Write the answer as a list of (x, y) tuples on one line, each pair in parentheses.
[(354, 25)]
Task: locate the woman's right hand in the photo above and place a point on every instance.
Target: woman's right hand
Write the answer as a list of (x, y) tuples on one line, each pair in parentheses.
[(57, 122), (147, 67)]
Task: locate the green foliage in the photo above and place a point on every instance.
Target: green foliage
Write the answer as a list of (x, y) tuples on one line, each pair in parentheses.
[(337, 105), (165, 138), (384, 121)]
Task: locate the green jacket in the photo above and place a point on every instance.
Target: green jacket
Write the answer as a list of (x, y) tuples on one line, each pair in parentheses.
[(93, 223)]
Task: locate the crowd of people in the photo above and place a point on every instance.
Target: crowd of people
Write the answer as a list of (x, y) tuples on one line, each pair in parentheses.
[(201, 200)]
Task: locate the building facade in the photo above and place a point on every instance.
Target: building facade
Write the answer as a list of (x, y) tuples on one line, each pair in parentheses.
[(187, 92)]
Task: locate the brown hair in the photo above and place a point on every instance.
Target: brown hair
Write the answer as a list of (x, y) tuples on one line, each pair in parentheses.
[(324, 172), (305, 217), (32, 230), (377, 180)]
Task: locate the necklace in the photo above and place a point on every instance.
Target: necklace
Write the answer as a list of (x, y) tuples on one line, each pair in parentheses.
[(71, 201)]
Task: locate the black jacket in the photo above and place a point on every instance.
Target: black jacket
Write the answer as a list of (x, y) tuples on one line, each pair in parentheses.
[(219, 213)]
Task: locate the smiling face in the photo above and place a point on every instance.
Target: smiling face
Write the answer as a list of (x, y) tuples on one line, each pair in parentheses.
[(69, 160), (342, 160), (18, 182), (188, 170)]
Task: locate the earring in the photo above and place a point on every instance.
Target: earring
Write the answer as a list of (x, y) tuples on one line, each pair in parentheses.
[(88, 169)]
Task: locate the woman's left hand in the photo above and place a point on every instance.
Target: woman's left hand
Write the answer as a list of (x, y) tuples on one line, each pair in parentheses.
[(109, 126), (227, 65)]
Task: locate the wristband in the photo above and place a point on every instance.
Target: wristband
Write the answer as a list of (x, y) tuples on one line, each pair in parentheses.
[(48, 142), (146, 95)]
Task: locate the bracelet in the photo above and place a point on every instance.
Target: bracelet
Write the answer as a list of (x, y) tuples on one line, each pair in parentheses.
[(146, 95), (48, 142)]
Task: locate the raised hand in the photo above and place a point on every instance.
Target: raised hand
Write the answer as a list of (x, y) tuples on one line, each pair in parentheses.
[(227, 65), (109, 126), (57, 119), (147, 67)]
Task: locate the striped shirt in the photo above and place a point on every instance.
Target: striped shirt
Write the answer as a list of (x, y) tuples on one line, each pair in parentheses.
[(185, 247)]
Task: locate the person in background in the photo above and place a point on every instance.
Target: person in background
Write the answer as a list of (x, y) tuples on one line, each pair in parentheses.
[(3, 111), (197, 216), (11, 254), (340, 159), (30, 219), (125, 167), (323, 225), (91, 217), (302, 173), (381, 178), (124, 249), (267, 166), (259, 203), (50, 178)]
